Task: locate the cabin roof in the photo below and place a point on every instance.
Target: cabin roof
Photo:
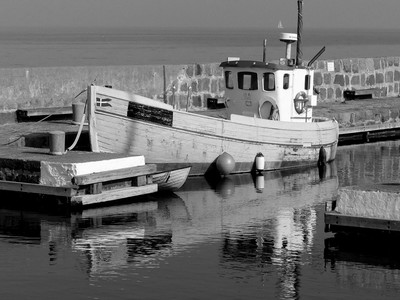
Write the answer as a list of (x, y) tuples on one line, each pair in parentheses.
[(255, 64)]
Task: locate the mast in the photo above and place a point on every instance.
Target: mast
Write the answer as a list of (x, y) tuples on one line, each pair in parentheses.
[(299, 53)]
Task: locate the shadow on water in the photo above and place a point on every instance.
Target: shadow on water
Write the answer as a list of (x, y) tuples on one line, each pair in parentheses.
[(368, 247), (365, 259)]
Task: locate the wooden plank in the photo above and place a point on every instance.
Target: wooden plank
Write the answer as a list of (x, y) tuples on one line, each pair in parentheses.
[(139, 181), (37, 188), (96, 188), (114, 174), (45, 111), (361, 222), (114, 195)]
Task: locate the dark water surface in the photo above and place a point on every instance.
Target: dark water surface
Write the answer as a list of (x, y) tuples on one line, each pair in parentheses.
[(239, 238)]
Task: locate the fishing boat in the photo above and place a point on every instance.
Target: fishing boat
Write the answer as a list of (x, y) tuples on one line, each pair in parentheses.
[(268, 120)]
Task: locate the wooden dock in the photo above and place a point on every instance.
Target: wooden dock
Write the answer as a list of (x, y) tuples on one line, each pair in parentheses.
[(82, 178), (373, 207)]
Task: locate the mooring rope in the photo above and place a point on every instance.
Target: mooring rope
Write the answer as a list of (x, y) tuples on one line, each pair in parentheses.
[(78, 135)]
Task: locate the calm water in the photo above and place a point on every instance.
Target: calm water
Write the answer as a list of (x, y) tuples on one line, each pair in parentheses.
[(239, 238), (81, 47)]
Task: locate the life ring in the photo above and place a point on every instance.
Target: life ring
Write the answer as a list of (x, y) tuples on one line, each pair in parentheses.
[(300, 102)]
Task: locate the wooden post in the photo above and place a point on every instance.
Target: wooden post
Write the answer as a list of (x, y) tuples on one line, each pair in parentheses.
[(165, 85), (173, 97)]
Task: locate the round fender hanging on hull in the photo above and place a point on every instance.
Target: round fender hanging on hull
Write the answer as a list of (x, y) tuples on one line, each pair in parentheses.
[(225, 164)]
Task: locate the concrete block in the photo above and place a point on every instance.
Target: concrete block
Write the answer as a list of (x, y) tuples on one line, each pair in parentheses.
[(371, 202)]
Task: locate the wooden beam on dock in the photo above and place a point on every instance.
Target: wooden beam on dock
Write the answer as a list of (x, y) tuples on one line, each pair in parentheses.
[(111, 195), (37, 188), (336, 219), (114, 174), (27, 114)]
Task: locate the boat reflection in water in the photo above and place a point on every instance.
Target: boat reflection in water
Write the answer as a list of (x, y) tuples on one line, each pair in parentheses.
[(265, 218), (253, 224)]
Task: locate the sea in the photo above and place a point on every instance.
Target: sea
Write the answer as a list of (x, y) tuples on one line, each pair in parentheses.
[(259, 236), (33, 47), (248, 236)]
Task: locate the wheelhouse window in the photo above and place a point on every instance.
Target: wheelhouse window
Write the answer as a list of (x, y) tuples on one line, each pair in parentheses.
[(269, 81), (285, 81), (307, 82), (229, 80), (247, 81)]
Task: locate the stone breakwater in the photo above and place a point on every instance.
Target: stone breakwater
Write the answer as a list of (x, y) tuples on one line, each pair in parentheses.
[(184, 86), (382, 75)]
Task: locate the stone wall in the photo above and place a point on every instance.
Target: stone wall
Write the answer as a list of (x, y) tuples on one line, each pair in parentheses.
[(184, 86), (381, 75)]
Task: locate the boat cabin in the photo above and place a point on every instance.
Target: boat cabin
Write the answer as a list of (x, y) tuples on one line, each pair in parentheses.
[(276, 91)]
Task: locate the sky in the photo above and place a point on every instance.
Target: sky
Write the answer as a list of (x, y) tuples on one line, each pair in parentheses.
[(374, 14)]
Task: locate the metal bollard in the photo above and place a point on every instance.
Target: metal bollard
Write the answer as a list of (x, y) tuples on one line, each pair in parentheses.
[(57, 142), (78, 109)]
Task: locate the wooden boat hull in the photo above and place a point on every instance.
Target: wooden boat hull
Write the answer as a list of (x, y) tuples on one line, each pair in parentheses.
[(127, 123)]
